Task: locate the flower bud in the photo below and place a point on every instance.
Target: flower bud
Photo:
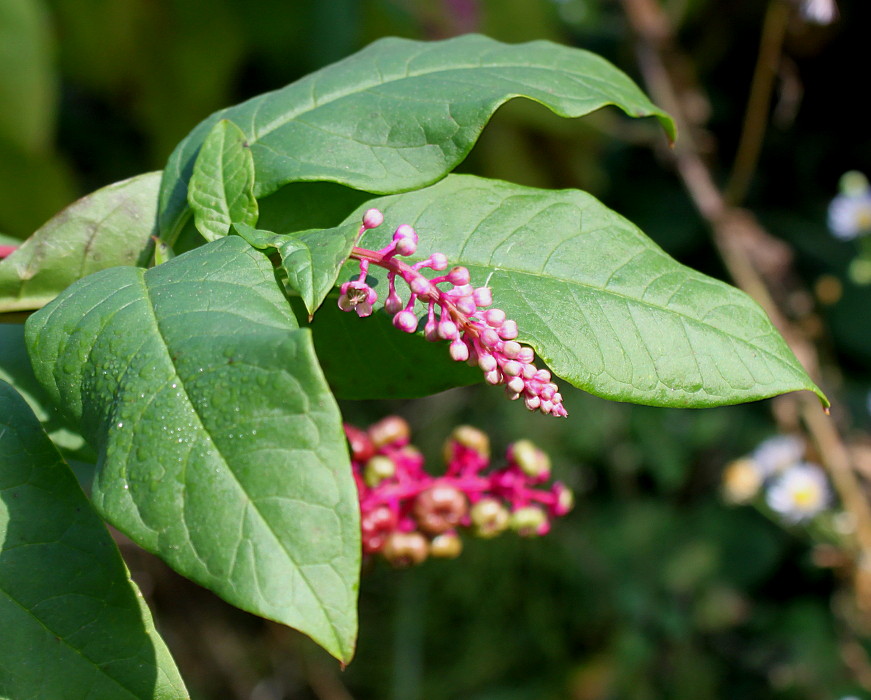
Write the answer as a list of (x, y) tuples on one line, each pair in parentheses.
[(532, 402), (448, 545), (466, 306), (376, 526), (377, 470), (420, 286), (361, 445), (487, 363), (512, 368), (526, 355), (438, 261), (391, 430), (440, 508), (373, 219), (458, 276), (532, 461), (459, 351), (483, 296), (405, 321), (405, 232), (508, 330), (494, 317), (511, 349), (516, 384), (448, 329), (470, 438), (393, 303), (489, 517), (565, 499), (405, 548), (529, 521)]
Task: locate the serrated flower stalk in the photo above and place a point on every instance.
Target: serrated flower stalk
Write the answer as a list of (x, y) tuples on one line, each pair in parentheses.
[(459, 314)]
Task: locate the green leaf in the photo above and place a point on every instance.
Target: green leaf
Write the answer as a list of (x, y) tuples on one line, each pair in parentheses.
[(221, 187), (74, 624), (310, 259), (367, 358), (602, 304), (15, 369), (112, 226), (220, 446), (401, 114)]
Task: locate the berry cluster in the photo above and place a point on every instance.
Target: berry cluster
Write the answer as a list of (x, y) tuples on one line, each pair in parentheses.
[(477, 335), (408, 514)]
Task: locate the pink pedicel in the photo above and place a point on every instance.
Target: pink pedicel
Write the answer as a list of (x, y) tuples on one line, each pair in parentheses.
[(459, 314), (7, 250), (408, 514)]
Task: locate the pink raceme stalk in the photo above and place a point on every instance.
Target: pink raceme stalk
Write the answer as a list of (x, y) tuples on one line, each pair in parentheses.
[(7, 250), (478, 335)]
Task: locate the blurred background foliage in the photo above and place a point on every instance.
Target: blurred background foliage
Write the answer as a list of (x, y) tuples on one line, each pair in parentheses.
[(652, 587)]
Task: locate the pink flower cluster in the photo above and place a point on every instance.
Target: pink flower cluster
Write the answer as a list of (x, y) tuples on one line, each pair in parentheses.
[(408, 514), (478, 335)]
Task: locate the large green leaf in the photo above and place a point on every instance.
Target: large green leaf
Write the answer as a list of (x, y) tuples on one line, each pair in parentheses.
[(369, 359), (74, 624), (401, 114), (221, 190), (310, 259), (220, 446), (112, 226), (604, 306)]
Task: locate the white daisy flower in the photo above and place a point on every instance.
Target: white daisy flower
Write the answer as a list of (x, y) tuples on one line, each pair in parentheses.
[(776, 454), (850, 210), (799, 493)]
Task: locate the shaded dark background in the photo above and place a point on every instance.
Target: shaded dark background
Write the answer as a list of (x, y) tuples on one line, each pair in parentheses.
[(652, 587)]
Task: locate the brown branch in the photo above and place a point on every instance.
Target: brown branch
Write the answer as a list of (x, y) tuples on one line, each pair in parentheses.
[(751, 255)]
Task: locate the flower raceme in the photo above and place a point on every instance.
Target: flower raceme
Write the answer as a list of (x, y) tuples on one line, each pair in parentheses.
[(478, 335), (408, 514)]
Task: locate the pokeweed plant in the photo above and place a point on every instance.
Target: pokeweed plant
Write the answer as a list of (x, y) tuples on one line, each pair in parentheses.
[(204, 384)]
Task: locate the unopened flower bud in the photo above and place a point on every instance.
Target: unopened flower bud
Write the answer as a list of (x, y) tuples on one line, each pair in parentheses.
[(373, 219), (391, 430), (393, 303), (448, 329), (438, 261), (487, 363), (516, 384), (512, 368), (532, 402), (440, 508), (529, 521), (565, 499), (448, 545), (493, 377), (405, 321), (494, 317), (526, 355), (459, 351), (405, 232), (466, 306), (532, 461), (483, 296), (511, 349), (508, 330), (470, 438), (489, 517), (377, 470), (361, 445), (459, 276), (420, 286), (376, 526), (405, 548)]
